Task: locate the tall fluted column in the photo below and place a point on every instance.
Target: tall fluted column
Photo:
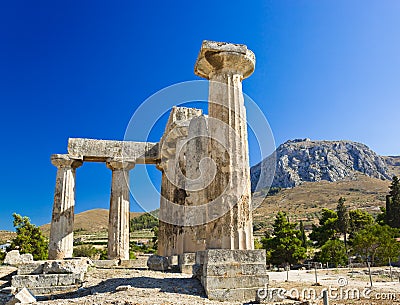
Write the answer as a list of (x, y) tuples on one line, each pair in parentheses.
[(62, 222), (226, 65), (118, 221)]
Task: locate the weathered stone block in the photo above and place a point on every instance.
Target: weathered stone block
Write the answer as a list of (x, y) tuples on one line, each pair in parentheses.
[(140, 262), (66, 266), (236, 269), (53, 289), (14, 258), (232, 275), (31, 268), (226, 282), (107, 263), (157, 263), (70, 279), (224, 256), (101, 150), (233, 294), (187, 258), (46, 280)]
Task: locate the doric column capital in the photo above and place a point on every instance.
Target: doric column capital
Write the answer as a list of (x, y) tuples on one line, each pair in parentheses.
[(120, 164), (65, 161), (226, 58)]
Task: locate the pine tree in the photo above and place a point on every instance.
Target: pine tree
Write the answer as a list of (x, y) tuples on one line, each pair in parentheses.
[(327, 228), (343, 219), (284, 246), (29, 238), (303, 236), (393, 204)]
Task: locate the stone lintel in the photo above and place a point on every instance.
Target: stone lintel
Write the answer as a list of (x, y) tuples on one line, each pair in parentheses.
[(93, 150), (217, 55)]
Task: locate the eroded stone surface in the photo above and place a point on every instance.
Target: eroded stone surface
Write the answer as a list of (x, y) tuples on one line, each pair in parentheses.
[(66, 266), (118, 220), (62, 221), (101, 150), (234, 275), (14, 258), (157, 263)]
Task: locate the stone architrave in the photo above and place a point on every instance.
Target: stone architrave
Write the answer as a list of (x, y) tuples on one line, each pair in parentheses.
[(118, 222), (62, 223), (225, 65)]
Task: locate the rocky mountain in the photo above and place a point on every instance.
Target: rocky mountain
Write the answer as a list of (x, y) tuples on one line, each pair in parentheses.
[(303, 160)]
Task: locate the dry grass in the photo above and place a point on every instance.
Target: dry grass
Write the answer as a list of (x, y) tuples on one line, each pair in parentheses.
[(5, 236)]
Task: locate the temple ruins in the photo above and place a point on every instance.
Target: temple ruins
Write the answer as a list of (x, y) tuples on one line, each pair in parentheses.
[(205, 207)]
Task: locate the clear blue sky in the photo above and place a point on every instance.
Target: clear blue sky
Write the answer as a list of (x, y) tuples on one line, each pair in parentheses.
[(325, 70)]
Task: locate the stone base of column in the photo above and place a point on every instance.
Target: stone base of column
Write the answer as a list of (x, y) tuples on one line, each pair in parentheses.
[(232, 275)]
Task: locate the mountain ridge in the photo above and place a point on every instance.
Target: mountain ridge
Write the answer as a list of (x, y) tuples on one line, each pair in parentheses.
[(304, 160)]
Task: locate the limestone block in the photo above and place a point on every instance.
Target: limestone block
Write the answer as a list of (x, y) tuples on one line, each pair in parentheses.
[(14, 258), (65, 266), (229, 295), (53, 289), (157, 263), (235, 269), (173, 260), (139, 262), (226, 282), (106, 263), (70, 279), (187, 258), (101, 150), (224, 256), (22, 297), (31, 268), (46, 280)]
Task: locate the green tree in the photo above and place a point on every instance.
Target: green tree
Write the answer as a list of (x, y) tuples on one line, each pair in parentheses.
[(334, 252), (393, 204), (284, 246), (303, 236), (86, 251), (342, 219), (381, 217), (376, 243), (29, 238), (359, 220), (327, 228)]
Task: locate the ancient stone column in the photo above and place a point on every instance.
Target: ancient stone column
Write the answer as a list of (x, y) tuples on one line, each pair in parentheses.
[(62, 222), (118, 221), (226, 65)]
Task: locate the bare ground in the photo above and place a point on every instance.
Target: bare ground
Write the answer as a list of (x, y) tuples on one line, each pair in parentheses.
[(149, 287)]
